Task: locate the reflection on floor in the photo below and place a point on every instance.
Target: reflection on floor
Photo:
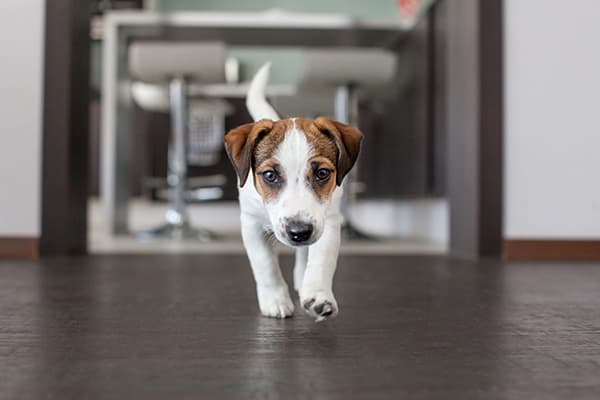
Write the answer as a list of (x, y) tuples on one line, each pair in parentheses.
[(223, 219)]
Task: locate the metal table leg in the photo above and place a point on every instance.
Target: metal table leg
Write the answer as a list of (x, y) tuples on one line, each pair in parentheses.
[(346, 111), (116, 129)]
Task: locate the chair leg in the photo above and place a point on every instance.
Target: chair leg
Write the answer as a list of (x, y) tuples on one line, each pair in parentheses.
[(177, 217), (177, 158), (346, 111)]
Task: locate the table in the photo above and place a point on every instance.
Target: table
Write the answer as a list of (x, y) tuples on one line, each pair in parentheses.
[(273, 28)]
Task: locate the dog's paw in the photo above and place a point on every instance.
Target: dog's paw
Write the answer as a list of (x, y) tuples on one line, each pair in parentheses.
[(320, 304), (275, 302)]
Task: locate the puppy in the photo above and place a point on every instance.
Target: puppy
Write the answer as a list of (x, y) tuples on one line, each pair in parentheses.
[(290, 175)]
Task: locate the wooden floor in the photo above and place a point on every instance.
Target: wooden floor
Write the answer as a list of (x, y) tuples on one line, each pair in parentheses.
[(187, 327)]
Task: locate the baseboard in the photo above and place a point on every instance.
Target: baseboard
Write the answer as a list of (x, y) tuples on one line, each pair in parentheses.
[(551, 250), (19, 248)]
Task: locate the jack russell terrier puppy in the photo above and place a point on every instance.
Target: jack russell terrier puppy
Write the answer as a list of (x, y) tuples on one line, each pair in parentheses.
[(290, 174)]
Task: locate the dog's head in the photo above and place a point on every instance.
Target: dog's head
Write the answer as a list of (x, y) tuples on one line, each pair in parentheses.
[(296, 165)]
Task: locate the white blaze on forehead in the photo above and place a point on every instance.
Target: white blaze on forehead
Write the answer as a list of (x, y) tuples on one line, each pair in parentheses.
[(293, 154)]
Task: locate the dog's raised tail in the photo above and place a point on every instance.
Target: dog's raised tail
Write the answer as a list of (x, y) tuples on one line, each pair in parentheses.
[(256, 100)]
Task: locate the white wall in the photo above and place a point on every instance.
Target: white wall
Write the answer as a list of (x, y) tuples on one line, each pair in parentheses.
[(552, 120), (21, 52)]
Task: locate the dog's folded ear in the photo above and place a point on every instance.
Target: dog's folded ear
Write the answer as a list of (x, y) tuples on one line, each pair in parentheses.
[(240, 143), (347, 140)]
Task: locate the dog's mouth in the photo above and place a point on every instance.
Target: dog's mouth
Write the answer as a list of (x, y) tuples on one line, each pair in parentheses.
[(284, 238), (293, 243)]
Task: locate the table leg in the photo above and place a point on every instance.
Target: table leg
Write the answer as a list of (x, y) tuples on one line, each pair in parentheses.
[(116, 129), (346, 111)]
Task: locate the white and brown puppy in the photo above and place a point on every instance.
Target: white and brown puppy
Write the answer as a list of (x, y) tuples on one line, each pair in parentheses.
[(290, 175)]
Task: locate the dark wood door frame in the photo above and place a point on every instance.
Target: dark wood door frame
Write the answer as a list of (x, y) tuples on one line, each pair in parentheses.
[(474, 107), (473, 112), (65, 128)]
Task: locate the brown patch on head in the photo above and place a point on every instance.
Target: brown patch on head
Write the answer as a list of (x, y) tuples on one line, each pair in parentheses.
[(323, 145), (347, 139), (268, 190), (251, 146), (265, 149), (323, 188), (240, 144), (263, 161), (335, 149)]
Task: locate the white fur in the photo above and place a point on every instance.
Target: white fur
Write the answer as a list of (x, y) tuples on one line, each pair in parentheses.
[(316, 263), (256, 102)]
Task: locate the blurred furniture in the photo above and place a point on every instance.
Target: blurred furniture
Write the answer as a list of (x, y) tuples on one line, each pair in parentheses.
[(206, 124), (267, 29), (178, 65), (349, 70)]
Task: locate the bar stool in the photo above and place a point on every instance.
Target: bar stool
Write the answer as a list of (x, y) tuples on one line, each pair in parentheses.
[(177, 64), (348, 71)]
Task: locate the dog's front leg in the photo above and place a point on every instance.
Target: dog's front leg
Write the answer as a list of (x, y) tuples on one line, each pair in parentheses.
[(272, 291), (299, 266), (316, 294)]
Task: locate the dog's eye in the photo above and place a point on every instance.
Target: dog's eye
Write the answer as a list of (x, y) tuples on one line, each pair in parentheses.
[(270, 176), (322, 174)]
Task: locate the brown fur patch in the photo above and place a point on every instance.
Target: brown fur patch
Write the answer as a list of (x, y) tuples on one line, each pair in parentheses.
[(268, 145), (347, 139), (262, 160), (240, 144), (323, 145), (323, 189), (268, 191), (326, 155)]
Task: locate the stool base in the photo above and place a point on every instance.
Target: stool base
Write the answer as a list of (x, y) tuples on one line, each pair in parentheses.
[(177, 232)]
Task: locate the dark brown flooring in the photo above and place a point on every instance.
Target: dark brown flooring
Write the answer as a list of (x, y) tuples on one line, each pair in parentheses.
[(187, 327)]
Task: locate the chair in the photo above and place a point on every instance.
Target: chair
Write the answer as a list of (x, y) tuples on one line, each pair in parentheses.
[(177, 64), (348, 70)]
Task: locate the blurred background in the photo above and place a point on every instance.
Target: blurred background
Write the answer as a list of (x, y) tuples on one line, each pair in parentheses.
[(479, 120)]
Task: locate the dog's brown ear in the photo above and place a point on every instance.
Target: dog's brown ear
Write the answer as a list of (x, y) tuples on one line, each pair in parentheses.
[(240, 143), (347, 140)]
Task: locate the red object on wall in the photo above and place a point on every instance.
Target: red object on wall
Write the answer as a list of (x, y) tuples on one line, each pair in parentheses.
[(408, 8)]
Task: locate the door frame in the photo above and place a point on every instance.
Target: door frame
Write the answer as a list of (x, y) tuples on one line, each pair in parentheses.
[(65, 135), (474, 107), (473, 113)]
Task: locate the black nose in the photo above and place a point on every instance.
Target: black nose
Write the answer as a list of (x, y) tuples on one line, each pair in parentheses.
[(299, 231)]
